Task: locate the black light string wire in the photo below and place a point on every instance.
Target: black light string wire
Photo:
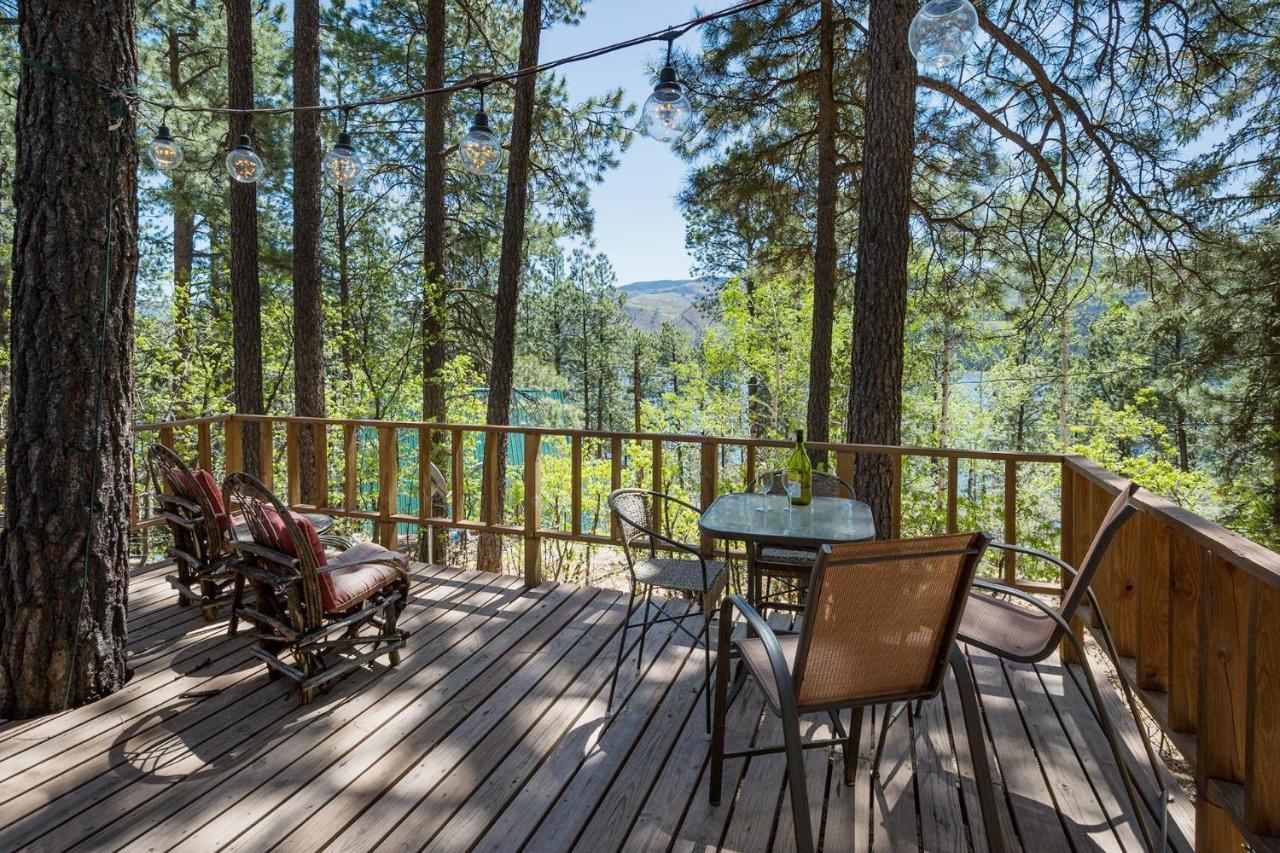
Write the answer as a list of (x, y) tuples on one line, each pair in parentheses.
[(669, 35)]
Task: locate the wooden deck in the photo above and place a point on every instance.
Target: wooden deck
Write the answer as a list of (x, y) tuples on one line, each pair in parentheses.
[(492, 735)]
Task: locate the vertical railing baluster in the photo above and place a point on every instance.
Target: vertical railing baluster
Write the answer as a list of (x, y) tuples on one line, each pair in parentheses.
[(350, 466), (458, 474), (953, 494), (532, 509), (1010, 519), (292, 468), (388, 477), (575, 484)]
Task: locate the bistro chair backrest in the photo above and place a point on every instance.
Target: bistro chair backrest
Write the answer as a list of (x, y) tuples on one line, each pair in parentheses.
[(1117, 514), (824, 485), (171, 476), (639, 512), (253, 497), (853, 648)]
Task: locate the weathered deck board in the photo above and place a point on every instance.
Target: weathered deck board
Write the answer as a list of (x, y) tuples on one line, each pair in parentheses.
[(492, 735)]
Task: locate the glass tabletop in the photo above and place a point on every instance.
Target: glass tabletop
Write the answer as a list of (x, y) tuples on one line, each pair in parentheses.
[(772, 518)]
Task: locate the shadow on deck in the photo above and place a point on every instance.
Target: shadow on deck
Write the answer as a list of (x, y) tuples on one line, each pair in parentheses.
[(492, 735)]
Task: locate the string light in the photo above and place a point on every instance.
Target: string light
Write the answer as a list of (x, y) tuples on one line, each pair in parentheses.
[(165, 154), (342, 164), (942, 32), (480, 150), (667, 111), (243, 163)]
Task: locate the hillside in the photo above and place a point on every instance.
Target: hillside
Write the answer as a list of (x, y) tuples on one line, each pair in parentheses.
[(652, 303)]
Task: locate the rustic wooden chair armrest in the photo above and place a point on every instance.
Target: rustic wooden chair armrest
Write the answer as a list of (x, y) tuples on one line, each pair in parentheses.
[(178, 501), (758, 626), (338, 543), (180, 520), (1032, 552), (262, 552)]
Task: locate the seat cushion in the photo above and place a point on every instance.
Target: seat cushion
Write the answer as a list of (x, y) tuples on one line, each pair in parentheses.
[(1005, 627), (206, 484), (279, 534), (350, 579)]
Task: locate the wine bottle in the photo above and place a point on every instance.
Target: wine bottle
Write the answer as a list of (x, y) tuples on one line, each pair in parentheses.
[(800, 471)]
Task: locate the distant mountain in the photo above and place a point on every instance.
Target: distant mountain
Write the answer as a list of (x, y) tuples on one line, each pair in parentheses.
[(652, 303)]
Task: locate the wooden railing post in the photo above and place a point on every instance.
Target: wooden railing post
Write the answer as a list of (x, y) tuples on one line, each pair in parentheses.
[(320, 446), (1010, 520), (1153, 603), (656, 483), (953, 494), (575, 484), (1262, 733), (895, 496), (459, 475), (233, 441), (844, 467), (204, 447), (266, 452), (532, 509), (292, 468), (749, 476), (709, 484), (1066, 549), (388, 475), (350, 466), (425, 501), (615, 482)]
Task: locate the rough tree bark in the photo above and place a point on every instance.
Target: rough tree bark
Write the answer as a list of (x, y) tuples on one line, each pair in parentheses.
[(63, 184), (510, 264), (184, 236), (434, 299), (308, 287), (880, 280), (246, 292), (824, 258), (433, 219)]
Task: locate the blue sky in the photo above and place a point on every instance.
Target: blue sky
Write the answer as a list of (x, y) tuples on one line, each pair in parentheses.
[(638, 225)]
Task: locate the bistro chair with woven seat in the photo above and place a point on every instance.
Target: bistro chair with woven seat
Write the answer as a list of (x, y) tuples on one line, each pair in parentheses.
[(1014, 625), (320, 613), (659, 561), (192, 507), (789, 565), (879, 627)]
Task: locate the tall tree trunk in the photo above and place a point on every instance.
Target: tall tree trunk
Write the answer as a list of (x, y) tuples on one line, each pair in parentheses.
[(62, 619), (308, 287), (246, 292), (944, 407), (1272, 267), (824, 258), (435, 308), (880, 281), (434, 224), (510, 264), (635, 384), (184, 248), (6, 289)]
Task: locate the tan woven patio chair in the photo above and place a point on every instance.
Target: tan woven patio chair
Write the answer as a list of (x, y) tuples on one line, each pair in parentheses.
[(879, 627), (1021, 627)]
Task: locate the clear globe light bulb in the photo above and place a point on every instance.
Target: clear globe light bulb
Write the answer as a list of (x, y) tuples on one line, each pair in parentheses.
[(164, 153), (243, 163), (667, 111), (342, 164), (479, 150), (942, 32)]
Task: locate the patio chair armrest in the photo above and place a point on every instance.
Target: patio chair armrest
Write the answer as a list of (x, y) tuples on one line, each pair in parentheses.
[(178, 501), (261, 552), (757, 625), (338, 543), (1026, 597), (1032, 552)]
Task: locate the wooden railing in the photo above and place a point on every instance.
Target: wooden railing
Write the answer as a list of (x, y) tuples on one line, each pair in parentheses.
[(1195, 608)]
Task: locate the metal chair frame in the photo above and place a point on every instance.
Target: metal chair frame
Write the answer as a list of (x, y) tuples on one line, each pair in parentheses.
[(706, 612), (790, 711)]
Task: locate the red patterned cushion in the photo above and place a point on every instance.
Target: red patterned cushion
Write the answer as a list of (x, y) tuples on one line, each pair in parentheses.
[(341, 587), (279, 534), (205, 482)]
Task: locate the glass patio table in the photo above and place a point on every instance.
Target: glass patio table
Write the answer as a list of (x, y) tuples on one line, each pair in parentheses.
[(762, 519)]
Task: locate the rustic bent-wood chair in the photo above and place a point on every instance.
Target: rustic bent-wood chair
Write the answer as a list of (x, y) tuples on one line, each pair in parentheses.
[(879, 627), (191, 506), (789, 565), (682, 569), (1021, 627), (316, 606)]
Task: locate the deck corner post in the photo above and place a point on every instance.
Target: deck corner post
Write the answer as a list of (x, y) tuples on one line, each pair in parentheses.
[(532, 509)]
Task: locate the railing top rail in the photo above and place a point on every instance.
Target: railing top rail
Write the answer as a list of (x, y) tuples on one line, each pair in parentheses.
[(892, 450), (1243, 553), (206, 419)]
